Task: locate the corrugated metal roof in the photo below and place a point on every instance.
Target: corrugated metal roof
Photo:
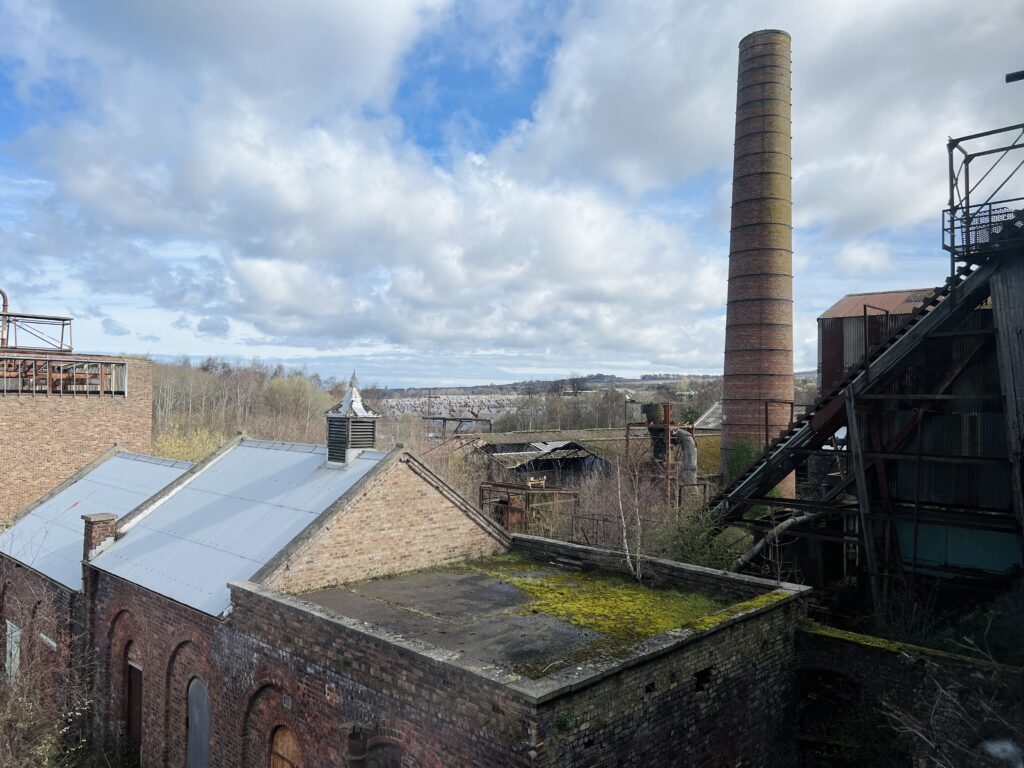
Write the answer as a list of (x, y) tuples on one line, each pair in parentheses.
[(711, 418), (49, 537), (897, 302), (226, 521)]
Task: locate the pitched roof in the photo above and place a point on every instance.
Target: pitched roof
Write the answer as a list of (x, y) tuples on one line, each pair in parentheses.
[(896, 302), (513, 455), (49, 537), (711, 418), (227, 518), (606, 443)]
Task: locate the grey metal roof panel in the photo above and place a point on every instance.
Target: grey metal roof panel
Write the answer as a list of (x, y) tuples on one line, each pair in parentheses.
[(49, 538), (224, 523)]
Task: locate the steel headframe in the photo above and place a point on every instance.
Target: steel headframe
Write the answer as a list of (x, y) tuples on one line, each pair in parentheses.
[(979, 209)]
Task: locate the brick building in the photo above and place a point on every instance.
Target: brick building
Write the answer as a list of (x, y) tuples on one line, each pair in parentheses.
[(42, 613), (299, 605), (59, 410), (271, 609)]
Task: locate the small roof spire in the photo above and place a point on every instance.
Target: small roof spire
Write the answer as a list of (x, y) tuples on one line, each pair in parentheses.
[(351, 405)]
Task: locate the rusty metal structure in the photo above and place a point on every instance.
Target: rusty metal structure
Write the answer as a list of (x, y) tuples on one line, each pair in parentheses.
[(758, 382), (924, 436), (36, 358)]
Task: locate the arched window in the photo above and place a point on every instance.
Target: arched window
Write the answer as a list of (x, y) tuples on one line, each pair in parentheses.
[(284, 749), (198, 725), (384, 756)]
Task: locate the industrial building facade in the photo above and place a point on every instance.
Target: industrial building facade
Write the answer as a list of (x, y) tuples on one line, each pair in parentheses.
[(286, 605), (59, 410)]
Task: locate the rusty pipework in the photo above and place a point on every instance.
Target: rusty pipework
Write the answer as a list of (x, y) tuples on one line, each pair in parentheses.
[(3, 319), (759, 315)]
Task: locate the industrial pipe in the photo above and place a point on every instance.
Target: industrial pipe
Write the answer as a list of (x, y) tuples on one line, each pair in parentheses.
[(3, 319)]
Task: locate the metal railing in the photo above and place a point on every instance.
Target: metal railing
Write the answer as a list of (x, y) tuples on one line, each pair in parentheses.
[(35, 333), (985, 211), (25, 375)]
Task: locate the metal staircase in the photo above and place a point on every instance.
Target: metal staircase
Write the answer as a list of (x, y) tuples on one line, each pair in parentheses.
[(829, 413)]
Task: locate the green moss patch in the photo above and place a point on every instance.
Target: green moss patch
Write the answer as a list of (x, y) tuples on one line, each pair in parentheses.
[(620, 608), (712, 620)]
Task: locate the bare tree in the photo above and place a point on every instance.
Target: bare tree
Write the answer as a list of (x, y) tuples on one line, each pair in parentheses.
[(44, 699)]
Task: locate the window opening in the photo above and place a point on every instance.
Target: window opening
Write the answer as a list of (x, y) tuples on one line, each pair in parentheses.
[(12, 659), (198, 725)]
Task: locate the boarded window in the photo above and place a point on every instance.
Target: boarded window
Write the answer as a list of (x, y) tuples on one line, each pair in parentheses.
[(198, 725), (12, 659), (284, 749), (133, 713)]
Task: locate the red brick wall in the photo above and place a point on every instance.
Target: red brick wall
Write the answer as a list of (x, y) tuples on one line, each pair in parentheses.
[(46, 438), (269, 665), (724, 699), (398, 522)]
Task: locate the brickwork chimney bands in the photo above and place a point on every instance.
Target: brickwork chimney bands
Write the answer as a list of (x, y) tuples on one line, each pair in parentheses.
[(759, 314)]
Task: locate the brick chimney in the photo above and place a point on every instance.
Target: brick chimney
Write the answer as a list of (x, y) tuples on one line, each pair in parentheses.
[(98, 528)]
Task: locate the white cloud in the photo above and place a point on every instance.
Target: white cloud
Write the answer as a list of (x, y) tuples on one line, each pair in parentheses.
[(248, 180), (863, 256)]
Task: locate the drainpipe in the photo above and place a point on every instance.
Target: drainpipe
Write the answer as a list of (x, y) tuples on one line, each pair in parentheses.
[(3, 320)]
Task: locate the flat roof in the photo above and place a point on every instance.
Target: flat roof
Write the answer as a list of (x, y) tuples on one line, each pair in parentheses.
[(519, 616), (49, 537)]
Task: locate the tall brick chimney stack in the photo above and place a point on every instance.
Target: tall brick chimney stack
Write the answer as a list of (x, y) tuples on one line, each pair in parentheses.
[(759, 314)]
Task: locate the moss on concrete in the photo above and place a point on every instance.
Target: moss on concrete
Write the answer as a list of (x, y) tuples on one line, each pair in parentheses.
[(893, 646), (619, 608), (712, 620)]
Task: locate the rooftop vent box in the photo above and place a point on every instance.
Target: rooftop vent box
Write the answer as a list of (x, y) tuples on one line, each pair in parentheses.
[(351, 426)]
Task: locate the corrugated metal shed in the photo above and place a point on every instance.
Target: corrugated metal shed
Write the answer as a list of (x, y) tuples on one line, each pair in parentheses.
[(49, 538), (226, 521), (897, 302), (711, 419)]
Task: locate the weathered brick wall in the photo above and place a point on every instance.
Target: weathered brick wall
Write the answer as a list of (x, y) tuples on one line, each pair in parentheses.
[(438, 714), (46, 438), (720, 698), (172, 644), (272, 664), (950, 698), (726, 700), (398, 522)]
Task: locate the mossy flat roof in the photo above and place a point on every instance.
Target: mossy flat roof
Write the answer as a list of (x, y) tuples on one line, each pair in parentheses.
[(522, 616)]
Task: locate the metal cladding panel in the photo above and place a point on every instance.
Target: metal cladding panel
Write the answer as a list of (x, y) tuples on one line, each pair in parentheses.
[(896, 302), (49, 539), (992, 551), (229, 520)]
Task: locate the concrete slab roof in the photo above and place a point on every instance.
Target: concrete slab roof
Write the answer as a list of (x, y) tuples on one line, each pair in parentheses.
[(486, 614), (228, 518), (49, 537)]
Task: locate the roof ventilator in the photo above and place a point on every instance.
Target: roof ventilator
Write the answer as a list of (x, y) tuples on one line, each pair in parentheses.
[(351, 426)]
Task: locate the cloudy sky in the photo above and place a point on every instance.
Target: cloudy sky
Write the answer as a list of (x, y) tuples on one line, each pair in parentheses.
[(438, 191)]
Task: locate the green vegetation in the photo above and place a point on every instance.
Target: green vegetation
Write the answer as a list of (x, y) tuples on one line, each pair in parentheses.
[(711, 621), (617, 607)]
